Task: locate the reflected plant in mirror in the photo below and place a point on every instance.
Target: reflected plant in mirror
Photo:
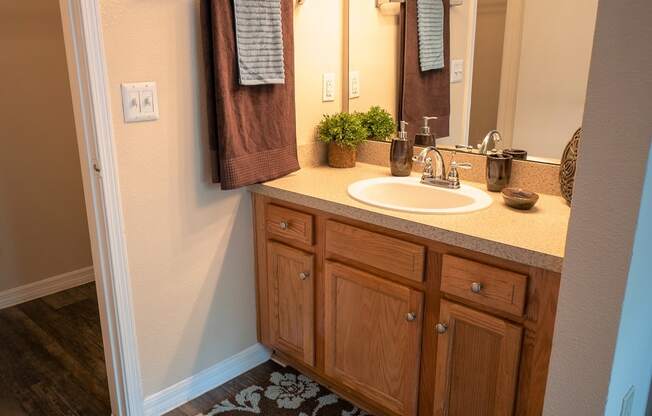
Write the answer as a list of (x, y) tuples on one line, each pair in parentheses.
[(379, 123), (515, 71)]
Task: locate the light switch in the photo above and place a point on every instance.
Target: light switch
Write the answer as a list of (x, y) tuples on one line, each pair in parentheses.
[(456, 2), (457, 70), (328, 88), (139, 101), (354, 84)]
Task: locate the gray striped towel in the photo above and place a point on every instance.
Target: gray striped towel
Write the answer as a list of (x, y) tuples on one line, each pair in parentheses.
[(259, 39), (430, 24)]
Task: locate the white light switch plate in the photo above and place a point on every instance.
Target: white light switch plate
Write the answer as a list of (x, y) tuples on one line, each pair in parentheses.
[(139, 101), (354, 84), (457, 70), (328, 88)]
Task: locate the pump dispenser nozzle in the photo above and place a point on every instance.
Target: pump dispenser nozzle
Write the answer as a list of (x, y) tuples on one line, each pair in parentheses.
[(425, 129), (402, 134)]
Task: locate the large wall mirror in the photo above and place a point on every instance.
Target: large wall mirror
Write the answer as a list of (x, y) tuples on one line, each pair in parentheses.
[(516, 66)]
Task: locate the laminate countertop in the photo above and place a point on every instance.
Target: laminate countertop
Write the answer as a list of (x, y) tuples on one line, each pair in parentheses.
[(535, 238)]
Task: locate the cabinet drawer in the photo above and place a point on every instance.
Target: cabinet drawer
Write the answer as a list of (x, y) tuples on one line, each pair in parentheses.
[(289, 224), (486, 285), (377, 250)]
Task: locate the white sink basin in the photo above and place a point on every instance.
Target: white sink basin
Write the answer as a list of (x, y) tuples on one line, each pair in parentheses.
[(409, 195)]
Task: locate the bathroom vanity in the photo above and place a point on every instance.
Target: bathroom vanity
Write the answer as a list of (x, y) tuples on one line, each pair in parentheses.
[(408, 314)]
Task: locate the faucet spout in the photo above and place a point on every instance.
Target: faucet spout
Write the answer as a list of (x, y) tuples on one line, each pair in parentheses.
[(439, 170)]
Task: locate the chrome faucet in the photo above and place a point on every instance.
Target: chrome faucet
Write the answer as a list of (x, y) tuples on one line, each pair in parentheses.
[(489, 143), (437, 176)]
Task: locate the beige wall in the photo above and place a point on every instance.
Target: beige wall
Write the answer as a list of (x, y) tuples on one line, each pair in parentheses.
[(609, 181), (318, 43), (43, 228), (190, 244), (553, 74), (374, 53)]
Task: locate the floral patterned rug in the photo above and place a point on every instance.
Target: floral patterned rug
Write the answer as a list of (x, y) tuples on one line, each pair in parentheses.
[(282, 391)]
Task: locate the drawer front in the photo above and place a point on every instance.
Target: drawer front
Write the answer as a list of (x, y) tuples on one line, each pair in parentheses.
[(380, 251), (489, 286), (289, 224)]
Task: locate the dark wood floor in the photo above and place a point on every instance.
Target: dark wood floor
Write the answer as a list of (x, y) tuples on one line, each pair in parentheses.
[(51, 357)]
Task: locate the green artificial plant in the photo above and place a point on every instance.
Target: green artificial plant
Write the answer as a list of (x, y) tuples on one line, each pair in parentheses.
[(379, 123), (344, 129)]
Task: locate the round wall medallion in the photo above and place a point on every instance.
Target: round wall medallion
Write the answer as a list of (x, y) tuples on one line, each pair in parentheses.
[(567, 168)]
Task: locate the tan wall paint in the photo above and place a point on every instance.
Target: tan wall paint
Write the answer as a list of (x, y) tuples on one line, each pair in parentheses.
[(374, 53), (43, 227), (318, 49), (190, 244), (611, 168), (553, 74)]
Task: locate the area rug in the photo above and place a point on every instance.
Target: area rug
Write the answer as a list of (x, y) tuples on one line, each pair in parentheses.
[(283, 391)]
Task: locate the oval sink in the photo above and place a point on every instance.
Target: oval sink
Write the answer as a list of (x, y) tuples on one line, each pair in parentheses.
[(410, 195)]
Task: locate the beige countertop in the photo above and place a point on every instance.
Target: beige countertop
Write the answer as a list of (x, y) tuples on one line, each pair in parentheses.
[(536, 237)]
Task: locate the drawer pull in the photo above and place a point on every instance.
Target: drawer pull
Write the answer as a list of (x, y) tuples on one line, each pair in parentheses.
[(441, 328), (411, 317), (304, 275), (284, 225), (476, 287)]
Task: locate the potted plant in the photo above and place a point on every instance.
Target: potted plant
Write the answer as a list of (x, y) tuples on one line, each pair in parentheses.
[(343, 132), (379, 123)]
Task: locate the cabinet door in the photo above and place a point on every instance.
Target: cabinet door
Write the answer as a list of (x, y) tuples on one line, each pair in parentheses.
[(373, 336), (477, 363), (291, 301)]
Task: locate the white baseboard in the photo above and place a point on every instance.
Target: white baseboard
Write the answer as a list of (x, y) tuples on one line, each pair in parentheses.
[(54, 284), (206, 380)]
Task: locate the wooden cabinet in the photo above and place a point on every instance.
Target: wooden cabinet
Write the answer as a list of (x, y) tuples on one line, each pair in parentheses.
[(355, 306), (477, 363), (291, 299), (372, 336)]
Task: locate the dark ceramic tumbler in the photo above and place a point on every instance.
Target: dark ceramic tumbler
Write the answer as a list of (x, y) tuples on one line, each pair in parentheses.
[(499, 172)]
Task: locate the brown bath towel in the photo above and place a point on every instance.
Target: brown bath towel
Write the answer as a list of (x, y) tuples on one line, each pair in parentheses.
[(424, 93), (252, 129)]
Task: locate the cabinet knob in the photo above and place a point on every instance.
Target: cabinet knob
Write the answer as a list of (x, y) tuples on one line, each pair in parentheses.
[(476, 287), (284, 225), (441, 328), (304, 275), (411, 316)]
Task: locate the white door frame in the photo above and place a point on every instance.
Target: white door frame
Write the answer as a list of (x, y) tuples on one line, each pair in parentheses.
[(82, 29)]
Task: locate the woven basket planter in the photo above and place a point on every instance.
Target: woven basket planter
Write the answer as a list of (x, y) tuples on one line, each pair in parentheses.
[(341, 156)]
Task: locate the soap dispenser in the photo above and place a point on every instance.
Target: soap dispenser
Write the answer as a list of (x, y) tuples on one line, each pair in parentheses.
[(425, 137), (400, 153)]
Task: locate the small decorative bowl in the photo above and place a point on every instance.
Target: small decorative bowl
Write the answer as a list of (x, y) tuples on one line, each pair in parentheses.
[(520, 198)]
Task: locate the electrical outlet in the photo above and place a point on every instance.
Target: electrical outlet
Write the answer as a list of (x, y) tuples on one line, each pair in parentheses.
[(328, 88), (628, 403), (457, 70), (354, 84)]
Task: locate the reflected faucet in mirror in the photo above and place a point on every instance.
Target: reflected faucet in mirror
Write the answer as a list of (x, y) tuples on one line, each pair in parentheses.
[(489, 142)]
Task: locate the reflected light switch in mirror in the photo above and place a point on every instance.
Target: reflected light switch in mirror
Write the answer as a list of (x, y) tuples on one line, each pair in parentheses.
[(457, 70), (354, 84)]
